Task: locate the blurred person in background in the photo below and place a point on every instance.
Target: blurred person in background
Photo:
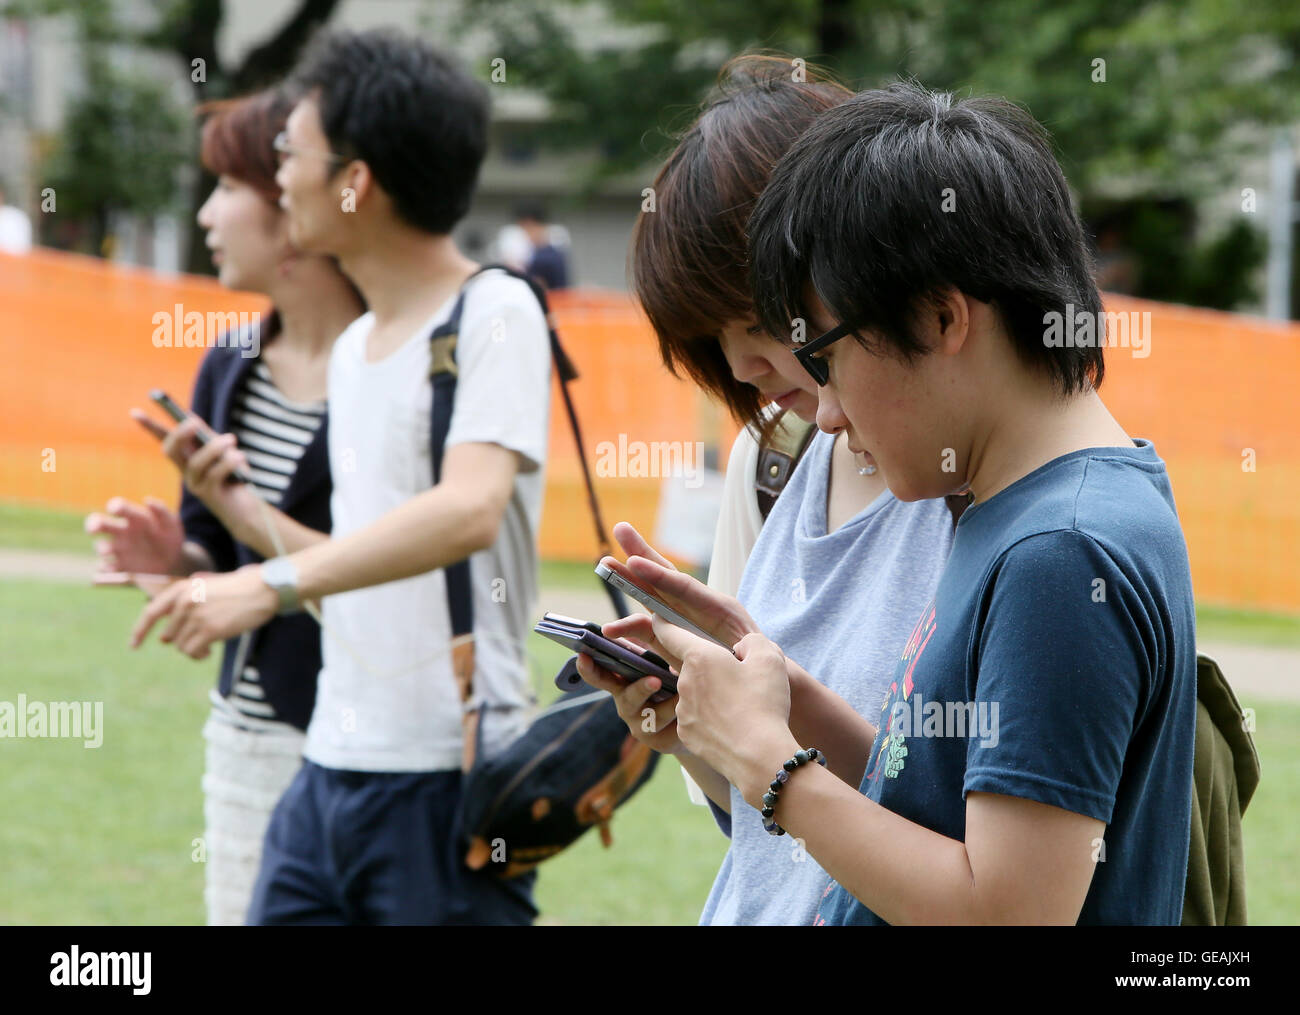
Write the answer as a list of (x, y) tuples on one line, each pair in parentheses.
[(15, 226), (548, 259), (273, 405), (512, 247)]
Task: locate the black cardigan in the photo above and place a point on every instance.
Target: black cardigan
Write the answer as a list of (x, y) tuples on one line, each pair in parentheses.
[(286, 650)]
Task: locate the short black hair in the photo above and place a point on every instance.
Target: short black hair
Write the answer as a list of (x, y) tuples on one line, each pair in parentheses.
[(902, 194), (409, 111)]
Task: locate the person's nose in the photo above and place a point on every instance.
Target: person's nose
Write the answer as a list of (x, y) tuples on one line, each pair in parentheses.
[(830, 417), (748, 369), (204, 217)]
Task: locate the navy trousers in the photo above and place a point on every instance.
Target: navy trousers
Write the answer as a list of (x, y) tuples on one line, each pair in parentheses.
[(376, 848)]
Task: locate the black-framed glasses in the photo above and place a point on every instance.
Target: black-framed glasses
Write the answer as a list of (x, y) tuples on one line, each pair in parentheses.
[(818, 368), (281, 144)]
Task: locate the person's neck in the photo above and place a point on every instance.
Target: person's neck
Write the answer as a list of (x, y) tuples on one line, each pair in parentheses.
[(406, 273), (314, 308), (848, 489), (1034, 426)]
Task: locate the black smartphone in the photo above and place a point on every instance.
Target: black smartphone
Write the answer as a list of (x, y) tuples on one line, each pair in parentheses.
[(584, 636), (203, 435)]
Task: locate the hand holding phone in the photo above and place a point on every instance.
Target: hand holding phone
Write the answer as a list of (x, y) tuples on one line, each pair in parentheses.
[(584, 637), (723, 617), (201, 434), (656, 606)]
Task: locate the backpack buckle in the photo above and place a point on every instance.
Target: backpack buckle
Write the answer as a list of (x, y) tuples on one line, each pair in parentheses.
[(444, 355)]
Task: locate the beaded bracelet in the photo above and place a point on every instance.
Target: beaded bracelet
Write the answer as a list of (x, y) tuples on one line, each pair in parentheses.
[(769, 798)]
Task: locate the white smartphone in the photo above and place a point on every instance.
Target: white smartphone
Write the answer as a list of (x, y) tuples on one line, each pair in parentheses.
[(660, 609)]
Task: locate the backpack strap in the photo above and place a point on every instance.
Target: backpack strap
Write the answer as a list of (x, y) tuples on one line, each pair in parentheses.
[(566, 373), (460, 599), (443, 373)]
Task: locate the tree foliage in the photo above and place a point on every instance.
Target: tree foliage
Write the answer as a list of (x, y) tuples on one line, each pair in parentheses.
[(1164, 97), (125, 136), (121, 146)]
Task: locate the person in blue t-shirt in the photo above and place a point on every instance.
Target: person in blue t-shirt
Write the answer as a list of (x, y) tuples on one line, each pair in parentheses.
[(1032, 757), (548, 262)]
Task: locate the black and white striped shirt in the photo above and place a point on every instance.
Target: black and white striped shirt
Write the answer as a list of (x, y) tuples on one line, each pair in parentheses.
[(273, 432)]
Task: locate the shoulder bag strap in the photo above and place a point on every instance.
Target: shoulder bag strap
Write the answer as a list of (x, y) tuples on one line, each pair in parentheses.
[(777, 457)]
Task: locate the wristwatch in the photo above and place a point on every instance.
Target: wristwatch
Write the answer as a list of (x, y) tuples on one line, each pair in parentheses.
[(281, 574)]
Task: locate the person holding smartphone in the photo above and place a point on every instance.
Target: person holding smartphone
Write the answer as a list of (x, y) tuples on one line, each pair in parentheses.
[(1032, 760), (840, 566), (379, 161), (270, 409)]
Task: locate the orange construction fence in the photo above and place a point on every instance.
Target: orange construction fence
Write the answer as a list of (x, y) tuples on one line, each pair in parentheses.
[(1214, 392)]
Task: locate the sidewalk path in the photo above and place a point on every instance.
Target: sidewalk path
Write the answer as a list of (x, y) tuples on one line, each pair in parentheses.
[(1255, 671)]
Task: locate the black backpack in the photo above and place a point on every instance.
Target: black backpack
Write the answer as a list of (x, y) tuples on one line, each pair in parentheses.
[(565, 774), (576, 762)]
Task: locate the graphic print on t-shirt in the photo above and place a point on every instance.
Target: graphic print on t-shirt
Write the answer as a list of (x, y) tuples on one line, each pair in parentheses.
[(818, 919), (893, 747)]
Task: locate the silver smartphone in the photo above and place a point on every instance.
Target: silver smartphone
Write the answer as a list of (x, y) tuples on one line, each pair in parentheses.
[(612, 577)]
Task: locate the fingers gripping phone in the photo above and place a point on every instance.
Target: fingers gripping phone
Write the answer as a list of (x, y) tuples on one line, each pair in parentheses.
[(202, 435), (655, 606)]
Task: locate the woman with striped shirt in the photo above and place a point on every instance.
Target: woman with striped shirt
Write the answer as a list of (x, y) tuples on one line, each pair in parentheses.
[(271, 432), (263, 392)]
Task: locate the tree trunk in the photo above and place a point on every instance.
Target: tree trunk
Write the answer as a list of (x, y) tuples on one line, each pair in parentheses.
[(264, 65), (834, 33)]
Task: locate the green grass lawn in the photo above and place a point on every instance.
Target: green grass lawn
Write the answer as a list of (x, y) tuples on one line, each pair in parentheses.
[(105, 835), (35, 528)]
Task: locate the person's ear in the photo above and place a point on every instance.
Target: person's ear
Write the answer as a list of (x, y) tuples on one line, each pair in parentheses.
[(950, 322), (355, 184)]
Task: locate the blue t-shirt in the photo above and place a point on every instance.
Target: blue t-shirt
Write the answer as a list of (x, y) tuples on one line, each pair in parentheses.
[(550, 265), (841, 605), (1057, 663)]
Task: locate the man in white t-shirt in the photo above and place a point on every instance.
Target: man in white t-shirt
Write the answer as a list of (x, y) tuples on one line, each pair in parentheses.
[(378, 163)]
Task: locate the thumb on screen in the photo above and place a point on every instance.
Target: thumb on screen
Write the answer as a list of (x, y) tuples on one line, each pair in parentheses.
[(674, 639)]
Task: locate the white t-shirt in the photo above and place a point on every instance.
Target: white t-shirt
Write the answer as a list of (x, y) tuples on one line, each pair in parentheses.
[(15, 230), (387, 700), (740, 520)]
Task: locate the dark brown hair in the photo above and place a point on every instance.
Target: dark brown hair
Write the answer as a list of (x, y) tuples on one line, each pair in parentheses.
[(238, 138), (689, 266)]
